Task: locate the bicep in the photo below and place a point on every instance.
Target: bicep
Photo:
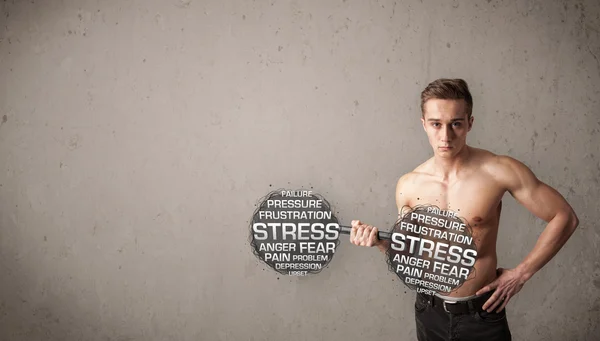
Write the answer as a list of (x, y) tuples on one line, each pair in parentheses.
[(540, 199)]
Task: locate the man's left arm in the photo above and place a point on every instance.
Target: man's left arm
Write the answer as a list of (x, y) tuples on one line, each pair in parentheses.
[(545, 203)]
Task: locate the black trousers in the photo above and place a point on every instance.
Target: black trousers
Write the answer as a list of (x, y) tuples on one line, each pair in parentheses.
[(435, 324)]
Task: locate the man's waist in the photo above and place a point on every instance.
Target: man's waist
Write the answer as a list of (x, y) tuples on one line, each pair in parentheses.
[(457, 305)]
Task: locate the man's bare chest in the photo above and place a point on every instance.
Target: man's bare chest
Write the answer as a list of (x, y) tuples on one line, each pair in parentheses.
[(476, 201)]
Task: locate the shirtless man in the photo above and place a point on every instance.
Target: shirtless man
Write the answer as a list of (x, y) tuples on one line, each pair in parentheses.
[(472, 182)]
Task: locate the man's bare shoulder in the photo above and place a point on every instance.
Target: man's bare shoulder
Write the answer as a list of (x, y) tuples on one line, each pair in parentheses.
[(482, 157), (503, 168), (415, 177)]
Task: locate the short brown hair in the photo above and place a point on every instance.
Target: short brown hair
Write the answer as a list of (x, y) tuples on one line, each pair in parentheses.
[(445, 88)]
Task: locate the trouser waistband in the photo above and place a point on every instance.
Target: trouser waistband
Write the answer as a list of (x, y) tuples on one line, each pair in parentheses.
[(457, 306)]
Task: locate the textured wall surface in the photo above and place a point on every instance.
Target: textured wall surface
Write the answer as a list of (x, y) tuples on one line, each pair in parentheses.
[(137, 136)]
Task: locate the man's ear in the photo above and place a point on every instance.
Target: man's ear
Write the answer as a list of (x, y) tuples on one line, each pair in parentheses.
[(471, 119), (423, 122)]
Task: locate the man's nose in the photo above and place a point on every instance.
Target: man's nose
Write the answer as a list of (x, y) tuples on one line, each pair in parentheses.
[(447, 134)]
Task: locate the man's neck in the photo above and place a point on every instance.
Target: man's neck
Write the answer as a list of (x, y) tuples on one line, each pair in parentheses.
[(448, 168)]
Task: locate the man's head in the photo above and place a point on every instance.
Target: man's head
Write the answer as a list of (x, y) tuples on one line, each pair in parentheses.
[(446, 107)]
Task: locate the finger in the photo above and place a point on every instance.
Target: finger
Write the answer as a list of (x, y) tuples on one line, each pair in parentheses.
[(492, 298), (373, 236), (496, 300), (364, 237), (359, 234), (494, 305), (487, 288), (504, 303), (367, 235)]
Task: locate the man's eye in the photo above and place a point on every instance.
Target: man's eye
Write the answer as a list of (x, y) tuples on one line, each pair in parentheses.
[(435, 124), (457, 124)]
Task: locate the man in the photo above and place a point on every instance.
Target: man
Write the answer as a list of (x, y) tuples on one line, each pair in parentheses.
[(472, 181)]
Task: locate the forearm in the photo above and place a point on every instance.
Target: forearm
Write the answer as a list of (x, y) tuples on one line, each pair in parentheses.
[(552, 239)]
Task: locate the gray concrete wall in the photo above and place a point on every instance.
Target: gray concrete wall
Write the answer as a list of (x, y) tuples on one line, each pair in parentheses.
[(137, 136)]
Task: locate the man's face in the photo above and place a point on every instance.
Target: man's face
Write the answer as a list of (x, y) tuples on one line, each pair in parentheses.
[(446, 124)]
